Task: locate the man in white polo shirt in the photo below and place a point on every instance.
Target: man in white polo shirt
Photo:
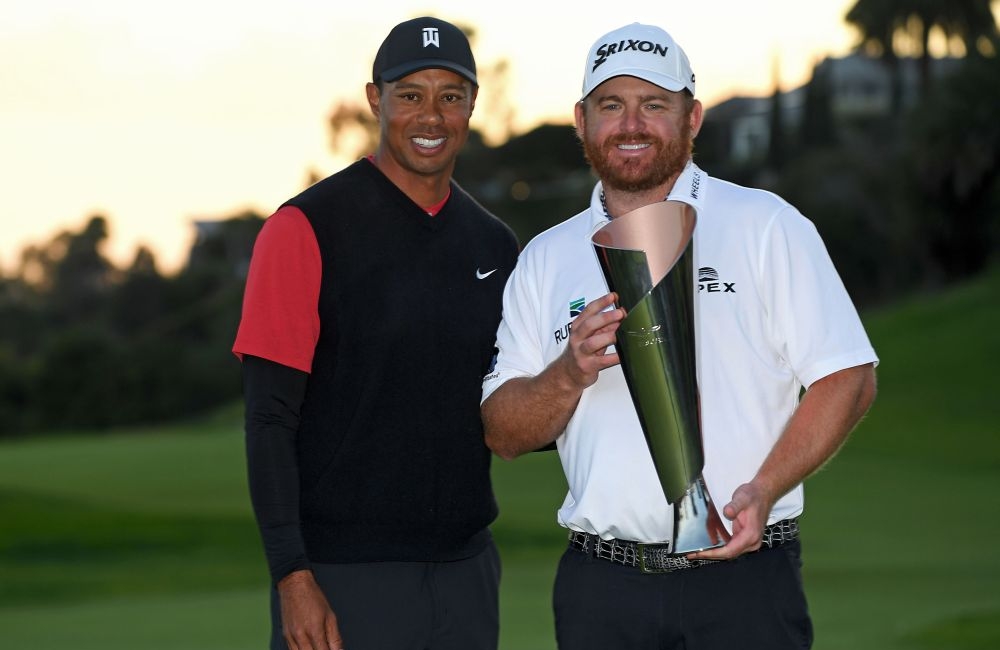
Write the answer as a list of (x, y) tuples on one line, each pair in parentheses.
[(773, 318)]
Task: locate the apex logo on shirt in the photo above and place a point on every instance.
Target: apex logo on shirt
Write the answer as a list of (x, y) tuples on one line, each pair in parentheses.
[(708, 282)]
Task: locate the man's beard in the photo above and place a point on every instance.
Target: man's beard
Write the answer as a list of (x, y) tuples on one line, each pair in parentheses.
[(633, 175)]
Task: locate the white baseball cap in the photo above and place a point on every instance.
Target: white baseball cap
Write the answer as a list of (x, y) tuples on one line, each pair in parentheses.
[(642, 51)]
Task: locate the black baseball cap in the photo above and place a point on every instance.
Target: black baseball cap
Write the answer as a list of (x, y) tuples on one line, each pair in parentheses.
[(420, 44)]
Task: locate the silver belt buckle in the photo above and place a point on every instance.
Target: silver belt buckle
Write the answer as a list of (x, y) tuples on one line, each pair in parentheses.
[(647, 568)]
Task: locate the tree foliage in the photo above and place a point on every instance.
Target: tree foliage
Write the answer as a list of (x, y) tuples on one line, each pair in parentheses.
[(908, 202), (893, 29), (87, 345), (903, 203), (952, 154)]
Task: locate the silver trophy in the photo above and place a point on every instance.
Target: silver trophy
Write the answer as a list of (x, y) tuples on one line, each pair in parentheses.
[(647, 259)]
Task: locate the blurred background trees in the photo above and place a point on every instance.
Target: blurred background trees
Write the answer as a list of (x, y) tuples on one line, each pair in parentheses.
[(904, 191)]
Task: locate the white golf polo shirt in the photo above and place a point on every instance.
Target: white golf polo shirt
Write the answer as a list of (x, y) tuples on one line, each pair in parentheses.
[(771, 316)]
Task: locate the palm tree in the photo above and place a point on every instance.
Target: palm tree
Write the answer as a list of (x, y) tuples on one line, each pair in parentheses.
[(882, 22), (973, 22), (968, 20), (879, 21)]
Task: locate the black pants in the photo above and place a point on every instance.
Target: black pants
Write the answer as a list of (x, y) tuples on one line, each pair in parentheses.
[(755, 602), (410, 605)]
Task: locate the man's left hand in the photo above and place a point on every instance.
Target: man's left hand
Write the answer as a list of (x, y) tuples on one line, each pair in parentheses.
[(748, 511)]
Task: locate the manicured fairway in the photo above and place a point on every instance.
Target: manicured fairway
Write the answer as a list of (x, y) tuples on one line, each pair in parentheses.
[(144, 539)]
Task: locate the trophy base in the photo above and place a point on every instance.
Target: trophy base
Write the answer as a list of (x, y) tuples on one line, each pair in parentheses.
[(697, 526)]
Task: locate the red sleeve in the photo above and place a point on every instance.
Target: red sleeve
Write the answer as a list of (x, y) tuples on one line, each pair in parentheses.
[(280, 319)]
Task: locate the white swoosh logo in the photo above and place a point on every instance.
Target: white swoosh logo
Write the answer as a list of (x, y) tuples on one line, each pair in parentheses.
[(483, 276)]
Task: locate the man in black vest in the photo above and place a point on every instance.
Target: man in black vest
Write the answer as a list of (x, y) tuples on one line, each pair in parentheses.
[(368, 323)]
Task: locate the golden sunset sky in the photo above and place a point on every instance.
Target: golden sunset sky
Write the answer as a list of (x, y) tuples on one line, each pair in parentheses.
[(155, 114)]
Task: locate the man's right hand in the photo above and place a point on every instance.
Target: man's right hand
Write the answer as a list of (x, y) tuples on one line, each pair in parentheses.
[(591, 334), (528, 413), (308, 622)]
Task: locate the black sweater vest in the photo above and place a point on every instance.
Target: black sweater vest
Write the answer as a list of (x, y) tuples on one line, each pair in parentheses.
[(391, 455)]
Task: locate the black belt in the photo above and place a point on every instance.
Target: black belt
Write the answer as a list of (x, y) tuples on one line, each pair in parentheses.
[(657, 558)]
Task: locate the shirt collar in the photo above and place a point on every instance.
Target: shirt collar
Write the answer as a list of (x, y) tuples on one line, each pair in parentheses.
[(689, 188)]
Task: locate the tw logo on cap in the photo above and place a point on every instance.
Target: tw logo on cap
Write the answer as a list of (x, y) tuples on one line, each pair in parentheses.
[(431, 37)]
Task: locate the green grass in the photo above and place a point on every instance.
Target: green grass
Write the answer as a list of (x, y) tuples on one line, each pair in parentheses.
[(145, 539)]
